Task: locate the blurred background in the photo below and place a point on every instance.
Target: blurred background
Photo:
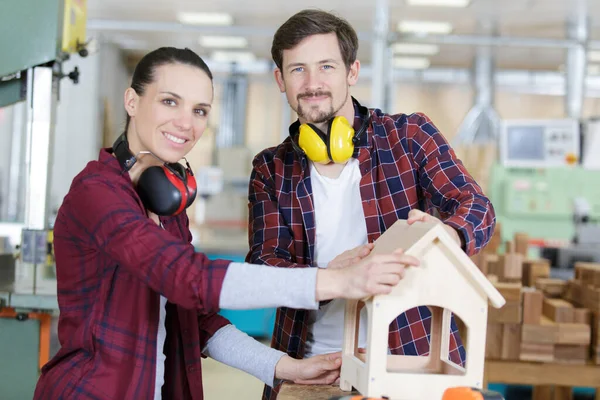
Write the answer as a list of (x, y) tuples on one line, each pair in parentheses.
[(514, 85)]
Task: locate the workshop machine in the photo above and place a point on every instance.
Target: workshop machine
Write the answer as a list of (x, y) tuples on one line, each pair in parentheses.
[(36, 37), (541, 184)]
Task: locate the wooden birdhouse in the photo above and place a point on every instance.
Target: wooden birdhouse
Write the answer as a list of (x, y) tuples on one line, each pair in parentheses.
[(448, 283)]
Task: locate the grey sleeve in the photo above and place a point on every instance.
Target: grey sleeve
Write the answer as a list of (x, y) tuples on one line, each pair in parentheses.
[(249, 286), (233, 347)]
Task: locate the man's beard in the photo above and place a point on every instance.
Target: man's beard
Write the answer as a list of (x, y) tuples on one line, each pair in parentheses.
[(314, 114)]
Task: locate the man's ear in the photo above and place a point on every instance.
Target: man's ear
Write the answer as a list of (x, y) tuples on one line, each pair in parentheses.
[(279, 79), (131, 100), (353, 73)]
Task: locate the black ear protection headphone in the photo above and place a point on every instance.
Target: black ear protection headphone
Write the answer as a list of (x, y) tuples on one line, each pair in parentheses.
[(165, 190), (337, 144)]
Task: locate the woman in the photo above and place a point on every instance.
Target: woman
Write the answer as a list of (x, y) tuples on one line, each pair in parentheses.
[(138, 306)]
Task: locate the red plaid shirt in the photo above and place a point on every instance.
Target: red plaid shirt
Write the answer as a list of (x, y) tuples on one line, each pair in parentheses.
[(112, 262), (405, 164)]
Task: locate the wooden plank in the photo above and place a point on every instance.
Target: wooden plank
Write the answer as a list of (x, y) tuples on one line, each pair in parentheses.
[(546, 332), (511, 342), (539, 352), (558, 310), (291, 391), (533, 301), (574, 334), (551, 287), (529, 373), (566, 353)]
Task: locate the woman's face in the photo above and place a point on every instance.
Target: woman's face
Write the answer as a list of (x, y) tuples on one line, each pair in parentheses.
[(171, 115)]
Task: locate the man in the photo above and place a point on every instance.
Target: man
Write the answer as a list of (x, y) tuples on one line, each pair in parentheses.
[(331, 187)]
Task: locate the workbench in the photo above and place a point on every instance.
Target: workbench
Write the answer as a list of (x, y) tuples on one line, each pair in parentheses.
[(542, 376)]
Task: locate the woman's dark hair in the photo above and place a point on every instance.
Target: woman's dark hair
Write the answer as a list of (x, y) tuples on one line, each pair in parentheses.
[(143, 75), (314, 22)]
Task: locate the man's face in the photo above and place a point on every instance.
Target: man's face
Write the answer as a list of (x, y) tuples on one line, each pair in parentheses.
[(315, 79)]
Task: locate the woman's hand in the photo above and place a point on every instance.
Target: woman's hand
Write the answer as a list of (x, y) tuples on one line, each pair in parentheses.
[(374, 275), (318, 370)]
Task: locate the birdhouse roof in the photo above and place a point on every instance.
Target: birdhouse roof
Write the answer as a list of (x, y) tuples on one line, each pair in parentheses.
[(414, 239)]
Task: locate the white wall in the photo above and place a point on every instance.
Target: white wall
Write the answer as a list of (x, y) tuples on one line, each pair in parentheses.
[(80, 114)]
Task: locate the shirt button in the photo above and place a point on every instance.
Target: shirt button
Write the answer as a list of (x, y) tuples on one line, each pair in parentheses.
[(185, 331), (191, 369)]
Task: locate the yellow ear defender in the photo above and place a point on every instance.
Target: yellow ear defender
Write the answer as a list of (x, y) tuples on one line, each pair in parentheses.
[(337, 144)]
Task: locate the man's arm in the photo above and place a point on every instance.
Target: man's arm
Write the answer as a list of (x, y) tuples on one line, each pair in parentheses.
[(450, 188)]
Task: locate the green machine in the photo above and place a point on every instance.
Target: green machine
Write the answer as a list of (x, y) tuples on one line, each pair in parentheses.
[(36, 37), (540, 201)]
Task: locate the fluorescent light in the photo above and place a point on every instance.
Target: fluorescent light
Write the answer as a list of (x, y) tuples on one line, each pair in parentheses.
[(594, 56), (204, 18), (224, 42), (425, 27), (439, 3), (415, 48), (411, 62), (233, 56)]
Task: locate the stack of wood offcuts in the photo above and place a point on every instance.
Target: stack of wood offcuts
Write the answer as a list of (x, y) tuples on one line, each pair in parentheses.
[(544, 319)]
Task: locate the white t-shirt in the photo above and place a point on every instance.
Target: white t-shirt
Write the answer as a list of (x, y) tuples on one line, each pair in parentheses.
[(340, 226)]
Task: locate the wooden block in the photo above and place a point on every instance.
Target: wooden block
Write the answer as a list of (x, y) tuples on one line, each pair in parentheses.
[(511, 265), (511, 342), (574, 292), (574, 334), (522, 244), (493, 344), (534, 269), (510, 313), (544, 333), (542, 393), (558, 310), (551, 287), (582, 316), (566, 353), (510, 291), (533, 301), (540, 352), (589, 273), (563, 393)]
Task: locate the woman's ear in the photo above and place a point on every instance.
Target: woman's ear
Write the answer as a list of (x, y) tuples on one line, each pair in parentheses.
[(131, 100)]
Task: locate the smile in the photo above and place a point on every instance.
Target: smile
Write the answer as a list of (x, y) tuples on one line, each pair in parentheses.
[(174, 139)]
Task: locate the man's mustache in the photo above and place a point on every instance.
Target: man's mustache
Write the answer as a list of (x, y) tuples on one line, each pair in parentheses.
[(314, 94)]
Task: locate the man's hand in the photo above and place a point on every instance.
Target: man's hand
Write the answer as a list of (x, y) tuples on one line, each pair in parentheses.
[(351, 256), (420, 216), (318, 370), (376, 274)]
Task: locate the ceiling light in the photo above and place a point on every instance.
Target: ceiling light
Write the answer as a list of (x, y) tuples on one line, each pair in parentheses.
[(425, 27), (594, 56), (415, 48), (233, 56), (204, 18), (411, 62), (224, 42), (439, 3)]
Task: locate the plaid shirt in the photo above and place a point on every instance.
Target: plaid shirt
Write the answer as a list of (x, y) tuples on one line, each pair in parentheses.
[(112, 262), (405, 164)]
